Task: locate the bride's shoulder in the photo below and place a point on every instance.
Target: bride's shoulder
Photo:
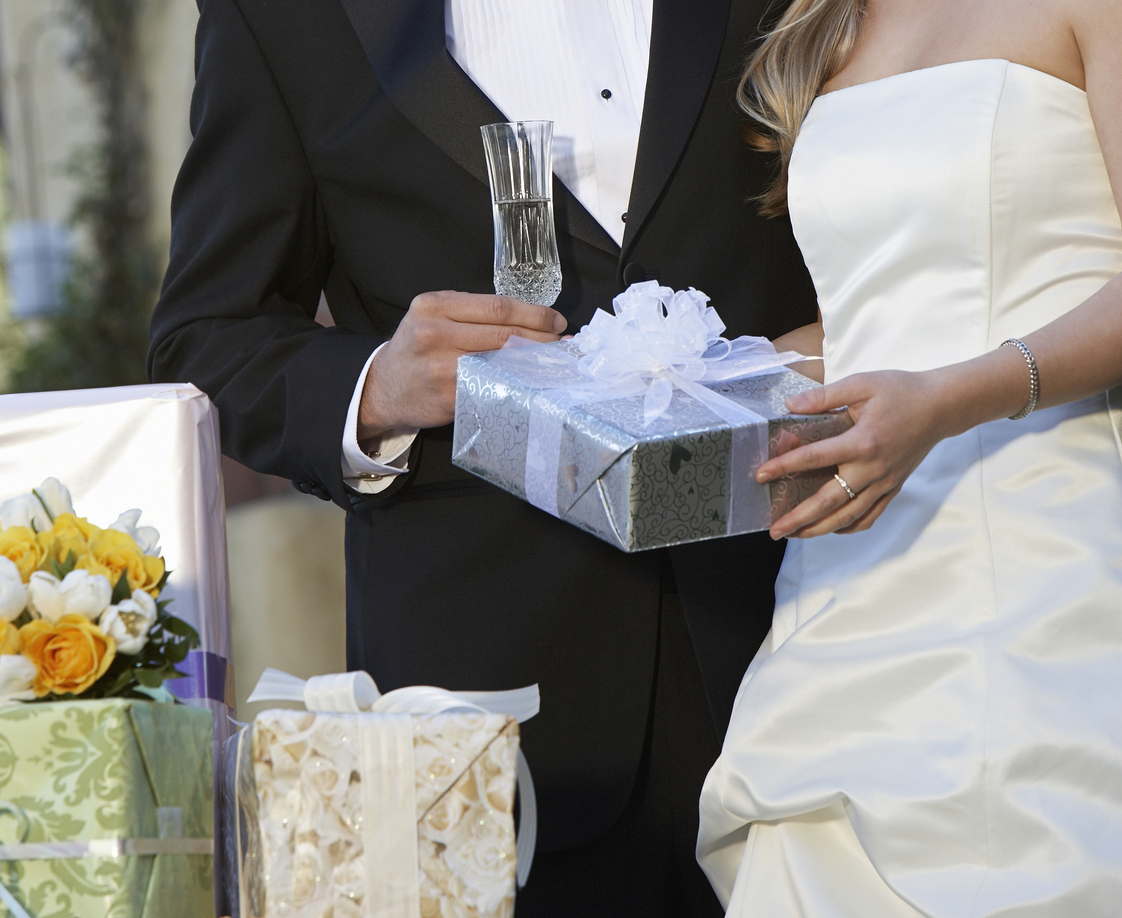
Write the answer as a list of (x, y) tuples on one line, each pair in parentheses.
[(1097, 28)]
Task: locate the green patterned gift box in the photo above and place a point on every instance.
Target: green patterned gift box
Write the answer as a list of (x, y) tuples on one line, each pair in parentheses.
[(106, 810), (529, 421)]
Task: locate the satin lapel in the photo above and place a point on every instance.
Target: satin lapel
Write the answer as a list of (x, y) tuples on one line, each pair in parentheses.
[(405, 43), (686, 39)]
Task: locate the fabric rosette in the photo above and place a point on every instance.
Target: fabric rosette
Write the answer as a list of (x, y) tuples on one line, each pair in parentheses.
[(662, 338)]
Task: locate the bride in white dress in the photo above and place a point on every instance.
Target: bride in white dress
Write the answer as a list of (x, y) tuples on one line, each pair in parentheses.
[(934, 726)]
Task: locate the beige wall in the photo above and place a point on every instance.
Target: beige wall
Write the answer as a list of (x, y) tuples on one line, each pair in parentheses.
[(287, 590)]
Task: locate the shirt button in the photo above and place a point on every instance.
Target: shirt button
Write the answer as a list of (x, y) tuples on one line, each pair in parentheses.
[(623, 216), (606, 93)]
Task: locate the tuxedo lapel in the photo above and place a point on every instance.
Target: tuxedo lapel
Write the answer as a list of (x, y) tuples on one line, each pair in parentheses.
[(686, 40), (404, 41)]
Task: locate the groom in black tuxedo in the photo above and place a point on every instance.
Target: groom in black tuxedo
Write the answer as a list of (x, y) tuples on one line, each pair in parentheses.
[(337, 149)]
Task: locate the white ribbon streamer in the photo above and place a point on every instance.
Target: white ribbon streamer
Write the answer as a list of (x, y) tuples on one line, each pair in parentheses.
[(356, 692), (13, 906), (389, 814), (105, 847)]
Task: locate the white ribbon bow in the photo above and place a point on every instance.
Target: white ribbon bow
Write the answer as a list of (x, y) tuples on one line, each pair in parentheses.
[(670, 339), (356, 692)]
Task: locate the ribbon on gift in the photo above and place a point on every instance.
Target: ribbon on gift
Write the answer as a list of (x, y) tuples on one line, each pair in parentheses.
[(389, 792), (658, 340)]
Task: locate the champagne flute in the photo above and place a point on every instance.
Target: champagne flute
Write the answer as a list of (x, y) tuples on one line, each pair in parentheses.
[(520, 168)]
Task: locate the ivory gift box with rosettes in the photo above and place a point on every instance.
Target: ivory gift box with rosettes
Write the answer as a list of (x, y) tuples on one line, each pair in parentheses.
[(397, 805), (646, 429), (106, 809)]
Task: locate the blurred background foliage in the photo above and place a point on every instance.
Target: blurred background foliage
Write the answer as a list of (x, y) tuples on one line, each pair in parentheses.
[(99, 335), (93, 124)]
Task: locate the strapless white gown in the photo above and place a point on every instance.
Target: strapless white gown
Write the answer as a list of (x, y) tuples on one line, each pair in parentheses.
[(934, 725)]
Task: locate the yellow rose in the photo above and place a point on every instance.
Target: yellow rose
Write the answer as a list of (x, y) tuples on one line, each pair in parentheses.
[(68, 534), (20, 544), (111, 552), (70, 655), (9, 641)]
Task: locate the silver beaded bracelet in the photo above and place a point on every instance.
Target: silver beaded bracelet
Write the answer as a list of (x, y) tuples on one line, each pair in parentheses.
[(1034, 377)]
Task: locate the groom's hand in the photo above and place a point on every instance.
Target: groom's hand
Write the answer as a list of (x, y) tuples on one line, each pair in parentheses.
[(412, 381)]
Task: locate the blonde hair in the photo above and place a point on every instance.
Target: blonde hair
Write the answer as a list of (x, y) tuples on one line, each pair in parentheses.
[(810, 44)]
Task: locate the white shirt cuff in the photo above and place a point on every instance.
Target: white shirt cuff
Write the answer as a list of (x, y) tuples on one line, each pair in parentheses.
[(371, 472)]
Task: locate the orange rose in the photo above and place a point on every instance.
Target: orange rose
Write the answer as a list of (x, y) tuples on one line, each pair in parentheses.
[(70, 655), (20, 544), (9, 638), (69, 533), (111, 552)]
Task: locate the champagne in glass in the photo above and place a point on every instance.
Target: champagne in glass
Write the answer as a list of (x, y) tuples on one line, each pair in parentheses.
[(520, 167)]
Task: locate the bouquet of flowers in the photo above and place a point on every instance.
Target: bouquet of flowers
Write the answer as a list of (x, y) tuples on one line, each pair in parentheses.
[(80, 614)]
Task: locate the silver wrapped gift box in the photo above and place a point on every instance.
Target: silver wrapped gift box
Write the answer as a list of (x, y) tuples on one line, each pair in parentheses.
[(530, 421)]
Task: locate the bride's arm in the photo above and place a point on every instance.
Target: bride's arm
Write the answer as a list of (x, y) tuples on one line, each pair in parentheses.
[(900, 416), (806, 340)]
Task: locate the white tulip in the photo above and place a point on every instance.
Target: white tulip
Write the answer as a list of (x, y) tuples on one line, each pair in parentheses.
[(55, 497), (86, 594), (129, 622), (25, 510), (38, 509), (147, 537), (13, 594), (79, 593), (17, 676), (46, 596)]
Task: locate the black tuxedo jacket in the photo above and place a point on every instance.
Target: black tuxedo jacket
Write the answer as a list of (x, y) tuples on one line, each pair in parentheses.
[(337, 148)]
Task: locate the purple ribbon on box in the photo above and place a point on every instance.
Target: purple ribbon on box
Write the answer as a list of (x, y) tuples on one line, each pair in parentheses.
[(204, 676)]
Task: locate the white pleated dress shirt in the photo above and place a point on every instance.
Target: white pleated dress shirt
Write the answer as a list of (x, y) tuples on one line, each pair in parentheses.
[(578, 63)]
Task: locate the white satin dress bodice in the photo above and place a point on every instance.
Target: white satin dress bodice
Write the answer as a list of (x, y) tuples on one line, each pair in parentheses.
[(934, 725)]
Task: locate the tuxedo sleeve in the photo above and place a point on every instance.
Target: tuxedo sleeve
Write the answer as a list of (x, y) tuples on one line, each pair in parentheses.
[(250, 254)]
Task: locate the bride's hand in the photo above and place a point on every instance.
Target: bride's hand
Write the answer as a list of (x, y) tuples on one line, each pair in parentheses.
[(896, 423)]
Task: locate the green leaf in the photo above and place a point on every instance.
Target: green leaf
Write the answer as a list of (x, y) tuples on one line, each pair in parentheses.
[(163, 581), (121, 591), (181, 629), (46, 509), (61, 570), (113, 688), (150, 678), (177, 653)]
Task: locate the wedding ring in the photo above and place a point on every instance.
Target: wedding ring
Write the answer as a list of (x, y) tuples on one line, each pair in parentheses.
[(848, 489)]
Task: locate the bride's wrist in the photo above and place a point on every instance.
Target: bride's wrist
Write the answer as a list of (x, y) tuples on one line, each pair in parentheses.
[(985, 389)]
